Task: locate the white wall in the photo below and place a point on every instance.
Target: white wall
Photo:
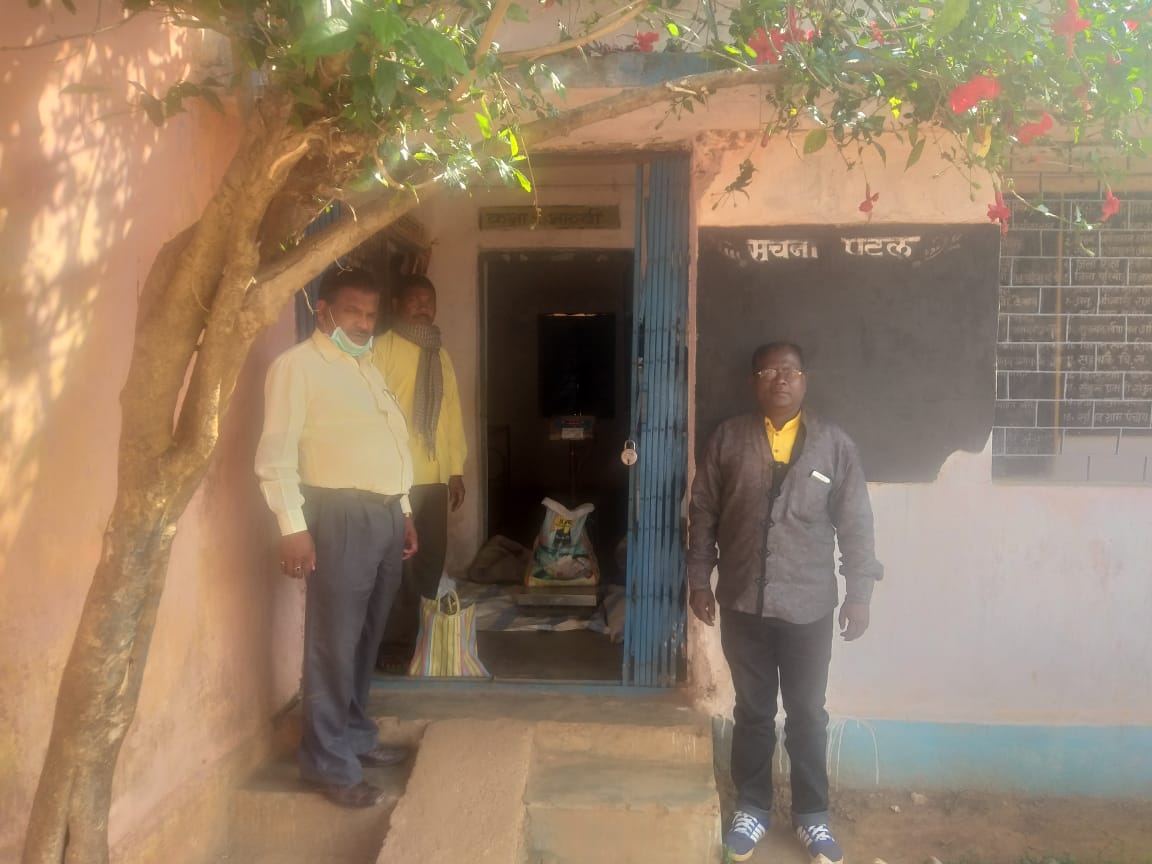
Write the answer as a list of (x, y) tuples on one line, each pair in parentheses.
[(1001, 602)]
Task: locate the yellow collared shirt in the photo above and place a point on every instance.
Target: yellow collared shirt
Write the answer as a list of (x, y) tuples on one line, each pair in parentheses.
[(329, 421), (782, 440), (398, 360)]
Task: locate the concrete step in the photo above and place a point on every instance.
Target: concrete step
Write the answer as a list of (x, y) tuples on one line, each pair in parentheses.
[(613, 809), (465, 801), (686, 743), (275, 817)]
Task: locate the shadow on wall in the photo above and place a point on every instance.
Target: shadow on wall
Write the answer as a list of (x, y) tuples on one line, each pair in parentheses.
[(90, 189)]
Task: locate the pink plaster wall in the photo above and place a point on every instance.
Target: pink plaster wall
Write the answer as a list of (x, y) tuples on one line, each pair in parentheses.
[(88, 193)]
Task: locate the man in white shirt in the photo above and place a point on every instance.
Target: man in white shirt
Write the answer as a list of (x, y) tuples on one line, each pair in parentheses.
[(335, 468)]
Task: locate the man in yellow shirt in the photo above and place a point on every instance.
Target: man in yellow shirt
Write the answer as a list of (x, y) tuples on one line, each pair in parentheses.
[(418, 370), (335, 468)]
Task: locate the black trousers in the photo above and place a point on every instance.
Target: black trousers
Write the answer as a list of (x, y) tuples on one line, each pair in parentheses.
[(359, 541), (769, 656), (423, 570)]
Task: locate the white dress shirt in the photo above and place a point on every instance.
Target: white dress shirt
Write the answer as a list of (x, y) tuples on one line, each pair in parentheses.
[(329, 421)]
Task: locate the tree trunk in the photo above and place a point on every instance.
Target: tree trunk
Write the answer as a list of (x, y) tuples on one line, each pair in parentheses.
[(101, 681)]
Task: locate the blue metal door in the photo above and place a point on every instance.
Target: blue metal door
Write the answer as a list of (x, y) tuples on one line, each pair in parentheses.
[(654, 629)]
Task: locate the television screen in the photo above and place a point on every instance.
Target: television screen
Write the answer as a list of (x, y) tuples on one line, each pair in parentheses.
[(577, 364)]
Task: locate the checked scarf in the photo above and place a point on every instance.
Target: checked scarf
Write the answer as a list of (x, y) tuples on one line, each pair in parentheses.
[(429, 380)]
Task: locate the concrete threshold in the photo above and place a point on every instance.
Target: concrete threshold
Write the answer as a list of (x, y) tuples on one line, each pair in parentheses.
[(502, 778)]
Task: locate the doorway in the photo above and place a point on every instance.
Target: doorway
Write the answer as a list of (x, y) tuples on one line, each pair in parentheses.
[(557, 345)]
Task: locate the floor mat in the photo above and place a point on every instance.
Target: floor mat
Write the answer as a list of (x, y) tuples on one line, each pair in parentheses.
[(497, 611)]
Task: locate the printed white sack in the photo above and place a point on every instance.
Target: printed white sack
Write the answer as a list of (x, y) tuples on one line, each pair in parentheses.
[(562, 553)]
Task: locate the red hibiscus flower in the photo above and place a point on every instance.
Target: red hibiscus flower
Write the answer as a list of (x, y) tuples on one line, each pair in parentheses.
[(1069, 24), (1028, 131), (999, 212), (969, 95), (869, 201), (877, 33), (1110, 207), (761, 43), (769, 45), (646, 41), (1131, 25)]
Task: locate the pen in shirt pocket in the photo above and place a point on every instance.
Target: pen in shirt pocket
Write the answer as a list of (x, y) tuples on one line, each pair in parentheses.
[(819, 477)]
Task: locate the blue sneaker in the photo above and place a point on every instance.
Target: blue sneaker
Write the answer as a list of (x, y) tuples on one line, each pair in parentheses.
[(821, 845), (742, 837)]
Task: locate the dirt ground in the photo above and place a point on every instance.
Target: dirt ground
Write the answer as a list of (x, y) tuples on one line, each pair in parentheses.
[(970, 828)]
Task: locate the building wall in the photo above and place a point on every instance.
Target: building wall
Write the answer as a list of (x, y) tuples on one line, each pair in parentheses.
[(452, 223), (88, 193), (1010, 614), (1074, 393), (1007, 632)]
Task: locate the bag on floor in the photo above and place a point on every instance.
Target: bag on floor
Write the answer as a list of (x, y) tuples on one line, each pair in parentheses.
[(562, 553), (446, 647), (500, 561)]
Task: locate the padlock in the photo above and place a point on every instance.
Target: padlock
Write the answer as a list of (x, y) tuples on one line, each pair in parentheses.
[(628, 456)]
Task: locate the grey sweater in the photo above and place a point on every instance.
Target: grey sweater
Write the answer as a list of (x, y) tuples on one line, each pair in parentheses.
[(781, 563)]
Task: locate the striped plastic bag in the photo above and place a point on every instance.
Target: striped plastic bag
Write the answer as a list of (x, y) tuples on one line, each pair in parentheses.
[(446, 647)]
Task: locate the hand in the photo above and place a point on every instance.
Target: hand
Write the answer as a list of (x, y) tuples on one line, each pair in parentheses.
[(297, 554), (853, 620), (455, 492), (703, 605), (410, 541)]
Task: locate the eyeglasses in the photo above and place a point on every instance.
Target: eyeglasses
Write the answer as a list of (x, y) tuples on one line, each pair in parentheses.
[(787, 373)]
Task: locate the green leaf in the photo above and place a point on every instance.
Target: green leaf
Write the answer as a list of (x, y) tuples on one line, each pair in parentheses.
[(485, 125), (950, 16), (917, 152), (673, 30), (209, 96), (330, 36), (384, 79), (1138, 96), (513, 144), (525, 183), (387, 26), (153, 107), (883, 153), (517, 13), (438, 53), (814, 140)]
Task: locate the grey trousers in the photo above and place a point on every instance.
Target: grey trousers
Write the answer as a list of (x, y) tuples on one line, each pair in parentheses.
[(359, 539), (423, 570)]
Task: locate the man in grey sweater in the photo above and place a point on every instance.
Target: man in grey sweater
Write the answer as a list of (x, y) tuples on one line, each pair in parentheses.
[(774, 492)]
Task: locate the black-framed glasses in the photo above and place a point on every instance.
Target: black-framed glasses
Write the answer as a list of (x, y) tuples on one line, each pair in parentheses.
[(787, 373)]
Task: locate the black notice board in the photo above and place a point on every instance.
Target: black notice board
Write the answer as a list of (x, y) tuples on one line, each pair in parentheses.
[(897, 323)]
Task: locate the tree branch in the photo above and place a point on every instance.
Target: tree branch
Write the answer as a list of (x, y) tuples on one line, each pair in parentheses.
[(499, 13), (282, 277), (60, 40), (223, 349), (633, 99), (632, 11)]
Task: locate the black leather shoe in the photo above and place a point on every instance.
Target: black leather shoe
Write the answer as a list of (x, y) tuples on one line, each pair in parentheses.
[(354, 795), (383, 755)]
